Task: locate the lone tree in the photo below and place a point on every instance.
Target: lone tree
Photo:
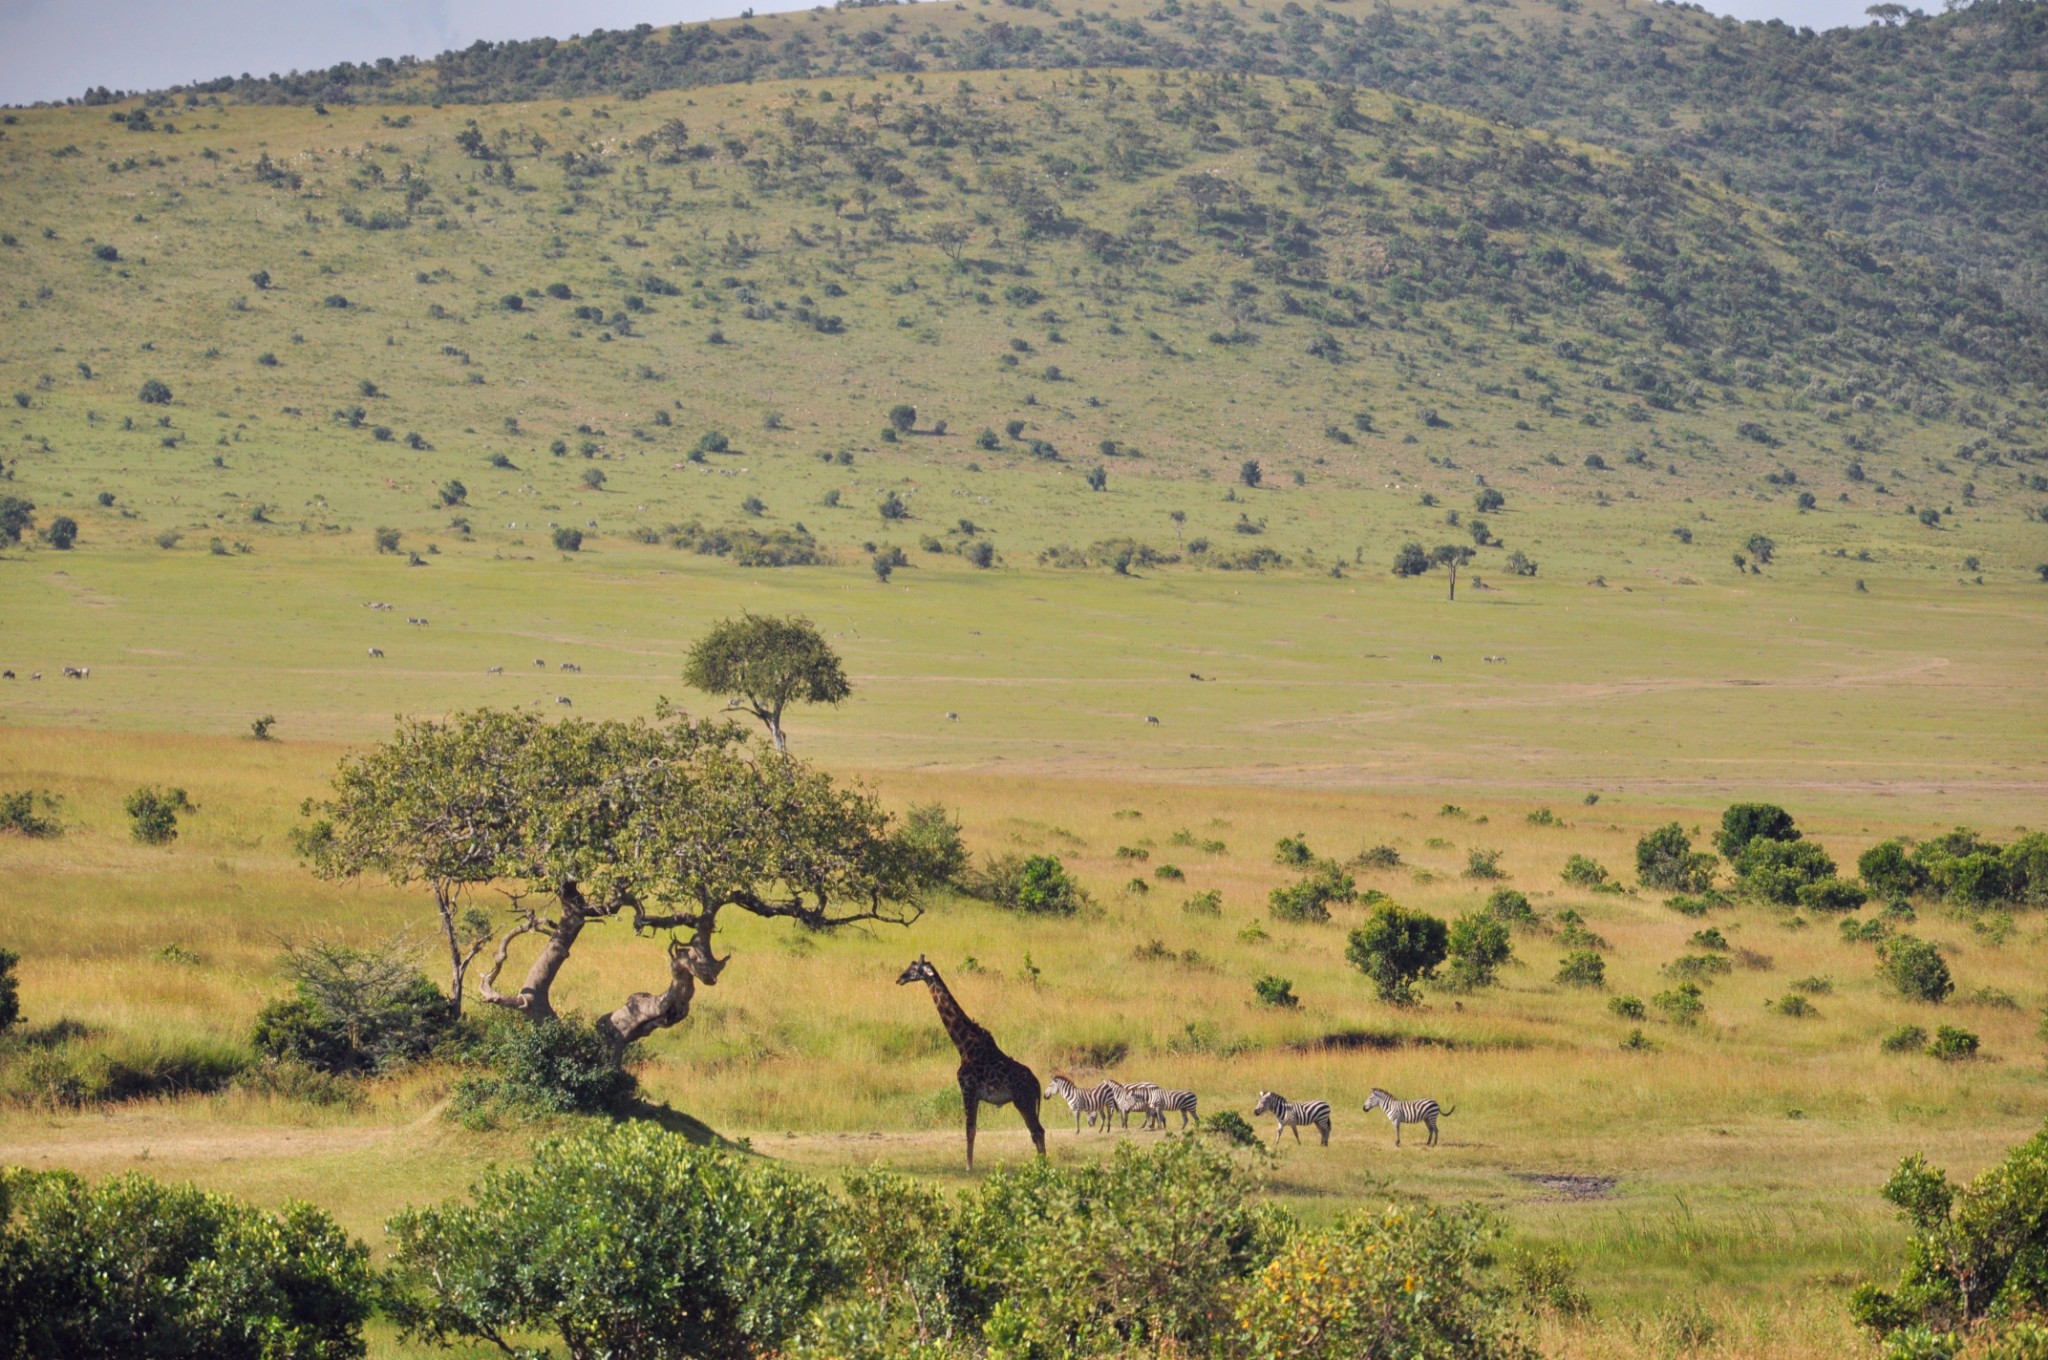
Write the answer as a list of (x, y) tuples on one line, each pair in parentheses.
[(1250, 473), (1452, 556), (16, 517), (658, 826), (1397, 948), (764, 664)]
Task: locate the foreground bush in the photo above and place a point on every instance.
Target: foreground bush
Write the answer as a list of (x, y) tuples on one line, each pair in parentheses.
[(134, 1268), (1977, 1252), (1402, 1283), (624, 1241)]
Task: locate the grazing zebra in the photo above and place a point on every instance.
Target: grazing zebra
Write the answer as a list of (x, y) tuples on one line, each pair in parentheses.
[(1162, 1101), (374, 651), (1401, 1112), (1294, 1113), (1090, 1101)]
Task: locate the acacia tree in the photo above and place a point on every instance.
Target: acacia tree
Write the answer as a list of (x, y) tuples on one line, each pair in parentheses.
[(661, 826), (766, 664), (1453, 556)]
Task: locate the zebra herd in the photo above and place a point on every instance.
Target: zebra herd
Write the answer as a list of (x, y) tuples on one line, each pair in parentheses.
[(1107, 1098), (1099, 1103)]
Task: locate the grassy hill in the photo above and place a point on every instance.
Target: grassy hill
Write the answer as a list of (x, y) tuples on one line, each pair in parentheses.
[(702, 307), (1922, 136)]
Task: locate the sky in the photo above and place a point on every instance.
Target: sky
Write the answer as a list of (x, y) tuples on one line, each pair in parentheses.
[(54, 49)]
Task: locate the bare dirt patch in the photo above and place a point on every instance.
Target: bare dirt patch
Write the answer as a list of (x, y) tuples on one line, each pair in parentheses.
[(1558, 1186)]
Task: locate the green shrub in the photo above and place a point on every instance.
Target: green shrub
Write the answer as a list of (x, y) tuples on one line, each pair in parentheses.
[(1951, 1044), (1404, 1282), (30, 812), (1232, 1128), (1682, 1004), (568, 539), (1698, 967), (1293, 852), (1874, 931), (1746, 822), (1776, 871), (1276, 991), (1976, 1251), (1378, 857), (1831, 894), (1037, 884), (153, 813), (1582, 968), (1208, 903), (1511, 907), (1795, 1006), (1479, 947), (625, 1241), (1627, 1007), (1914, 968), (1582, 872), (130, 1267), (1665, 860), (1888, 870), (353, 1010), (1397, 948), (1575, 935), (1309, 898), (929, 841), (1904, 1039), (541, 1067), (1483, 864), (1813, 986), (1139, 1254)]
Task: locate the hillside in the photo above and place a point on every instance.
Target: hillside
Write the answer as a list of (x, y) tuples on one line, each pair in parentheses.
[(716, 298), (1923, 136)]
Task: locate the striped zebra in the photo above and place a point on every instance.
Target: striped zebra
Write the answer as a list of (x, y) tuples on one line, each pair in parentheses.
[(1294, 1113), (1401, 1112), (1133, 1096), (1162, 1101), (1091, 1101)]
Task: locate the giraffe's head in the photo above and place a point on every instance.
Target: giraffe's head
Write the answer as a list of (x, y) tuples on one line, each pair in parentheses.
[(921, 971)]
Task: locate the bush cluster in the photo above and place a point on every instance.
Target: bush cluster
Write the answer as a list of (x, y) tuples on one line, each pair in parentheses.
[(1037, 885)]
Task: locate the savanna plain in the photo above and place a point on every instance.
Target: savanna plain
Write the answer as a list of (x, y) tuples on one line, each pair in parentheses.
[(567, 376)]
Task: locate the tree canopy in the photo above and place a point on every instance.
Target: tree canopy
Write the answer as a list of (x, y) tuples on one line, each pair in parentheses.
[(766, 664), (661, 825)]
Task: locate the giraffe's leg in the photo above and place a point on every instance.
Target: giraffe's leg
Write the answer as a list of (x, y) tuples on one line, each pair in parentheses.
[(1027, 1105), (973, 1107)]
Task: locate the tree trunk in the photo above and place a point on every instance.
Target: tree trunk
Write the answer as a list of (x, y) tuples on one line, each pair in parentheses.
[(534, 996), (444, 903), (645, 1012), (1454, 580)]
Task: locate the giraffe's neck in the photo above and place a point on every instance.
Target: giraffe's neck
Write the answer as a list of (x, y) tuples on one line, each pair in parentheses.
[(971, 1039)]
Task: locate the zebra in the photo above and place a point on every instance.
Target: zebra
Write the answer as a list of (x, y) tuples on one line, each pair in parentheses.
[(1401, 1112), (1161, 1101), (1130, 1096), (1294, 1113), (1090, 1101)]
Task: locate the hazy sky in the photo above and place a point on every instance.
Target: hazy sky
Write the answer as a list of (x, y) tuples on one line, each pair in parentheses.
[(51, 49)]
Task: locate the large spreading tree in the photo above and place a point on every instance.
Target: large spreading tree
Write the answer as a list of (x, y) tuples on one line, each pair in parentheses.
[(658, 827)]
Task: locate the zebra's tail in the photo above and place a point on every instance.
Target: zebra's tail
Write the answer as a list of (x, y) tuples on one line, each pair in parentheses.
[(1446, 1111)]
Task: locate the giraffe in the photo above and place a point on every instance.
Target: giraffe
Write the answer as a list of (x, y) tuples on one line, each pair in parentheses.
[(986, 1072)]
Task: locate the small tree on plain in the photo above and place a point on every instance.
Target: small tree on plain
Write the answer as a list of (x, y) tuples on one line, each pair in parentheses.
[(1478, 946), (1396, 949), (903, 418), (153, 813), (61, 533), (155, 393), (16, 515), (1451, 556), (1250, 473), (767, 663)]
